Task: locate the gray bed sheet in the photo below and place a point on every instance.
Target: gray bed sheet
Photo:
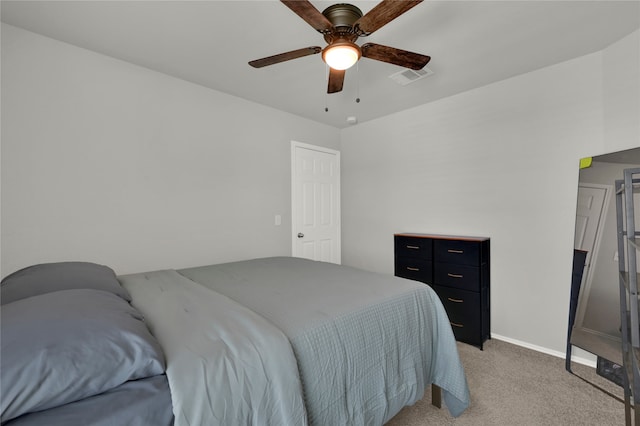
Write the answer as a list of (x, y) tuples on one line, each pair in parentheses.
[(226, 365), (366, 344), (141, 402)]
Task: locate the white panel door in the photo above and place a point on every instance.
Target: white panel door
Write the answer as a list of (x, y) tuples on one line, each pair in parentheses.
[(315, 194), (590, 214), (589, 209)]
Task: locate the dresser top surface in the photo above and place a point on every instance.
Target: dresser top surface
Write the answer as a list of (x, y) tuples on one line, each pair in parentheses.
[(440, 237)]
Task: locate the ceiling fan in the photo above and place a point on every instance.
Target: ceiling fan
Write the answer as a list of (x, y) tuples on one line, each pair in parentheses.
[(341, 25)]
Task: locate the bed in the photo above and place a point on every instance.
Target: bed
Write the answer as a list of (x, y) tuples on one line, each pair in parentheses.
[(275, 341)]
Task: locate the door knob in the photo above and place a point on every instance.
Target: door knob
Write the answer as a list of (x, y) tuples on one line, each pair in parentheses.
[(300, 235)]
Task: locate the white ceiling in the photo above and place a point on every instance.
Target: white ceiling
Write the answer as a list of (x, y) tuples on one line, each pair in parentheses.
[(471, 43)]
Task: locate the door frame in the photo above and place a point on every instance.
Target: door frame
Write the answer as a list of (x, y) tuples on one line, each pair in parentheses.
[(294, 202)]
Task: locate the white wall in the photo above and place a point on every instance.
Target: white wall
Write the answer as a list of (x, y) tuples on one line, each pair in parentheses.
[(621, 65), (500, 161), (109, 162)]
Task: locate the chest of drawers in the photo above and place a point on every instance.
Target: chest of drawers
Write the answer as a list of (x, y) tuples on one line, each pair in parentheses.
[(457, 268)]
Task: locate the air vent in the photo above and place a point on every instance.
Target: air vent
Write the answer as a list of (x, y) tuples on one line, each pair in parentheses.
[(407, 76)]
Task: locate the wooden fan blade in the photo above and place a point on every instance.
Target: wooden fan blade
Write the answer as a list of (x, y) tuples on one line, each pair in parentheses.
[(391, 55), (287, 56), (310, 14), (336, 80), (383, 13)]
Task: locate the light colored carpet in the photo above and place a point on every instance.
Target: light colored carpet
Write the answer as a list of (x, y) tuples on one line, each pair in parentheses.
[(511, 385)]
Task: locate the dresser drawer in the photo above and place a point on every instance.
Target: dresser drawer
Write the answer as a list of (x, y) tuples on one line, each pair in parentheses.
[(460, 252), (463, 309), (414, 269), (414, 247), (457, 276)]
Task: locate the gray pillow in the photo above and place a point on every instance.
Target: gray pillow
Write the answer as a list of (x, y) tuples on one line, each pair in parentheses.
[(49, 277), (67, 345)]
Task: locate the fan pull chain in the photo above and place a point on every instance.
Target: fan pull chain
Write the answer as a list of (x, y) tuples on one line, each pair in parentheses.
[(326, 73), (358, 82)]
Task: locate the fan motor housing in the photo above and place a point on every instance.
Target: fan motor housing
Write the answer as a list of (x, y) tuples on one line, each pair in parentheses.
[(342, 15)]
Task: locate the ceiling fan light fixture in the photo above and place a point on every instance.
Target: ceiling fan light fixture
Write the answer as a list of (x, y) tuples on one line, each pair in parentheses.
[(341, 25), (341, 55)]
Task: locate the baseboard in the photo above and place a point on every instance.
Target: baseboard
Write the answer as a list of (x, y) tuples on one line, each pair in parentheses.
[(578, 359)]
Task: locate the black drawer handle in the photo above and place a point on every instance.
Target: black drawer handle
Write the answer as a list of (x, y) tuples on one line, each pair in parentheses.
[(413, 269), (455, 300), (413, 247), (457, 325), (455, 251), (455, 275)]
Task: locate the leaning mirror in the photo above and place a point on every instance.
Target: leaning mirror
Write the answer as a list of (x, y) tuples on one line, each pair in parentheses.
[(596, 316)]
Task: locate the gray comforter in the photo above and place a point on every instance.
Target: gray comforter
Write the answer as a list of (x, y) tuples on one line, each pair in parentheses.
[(365, 344), (226, 365)]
